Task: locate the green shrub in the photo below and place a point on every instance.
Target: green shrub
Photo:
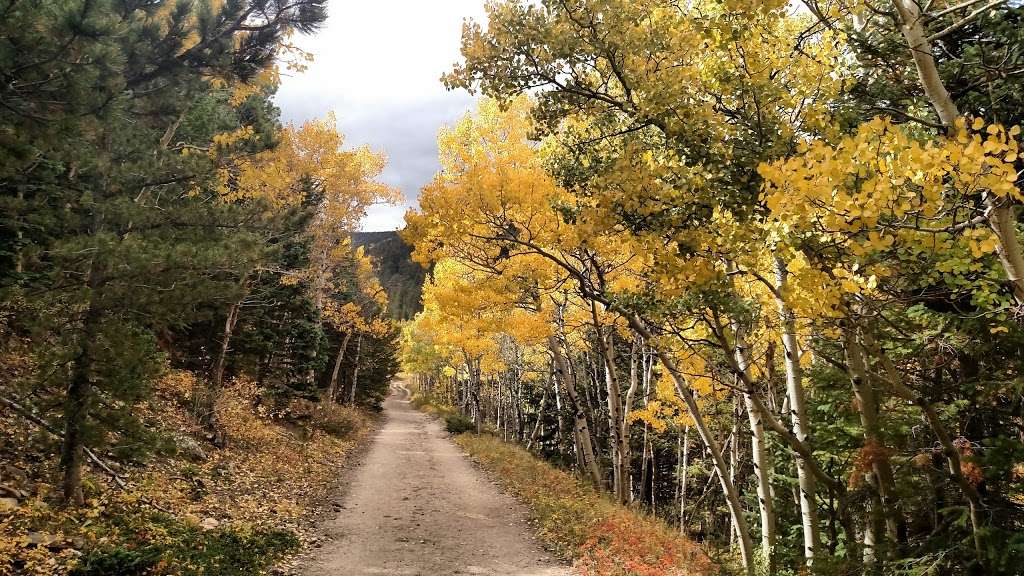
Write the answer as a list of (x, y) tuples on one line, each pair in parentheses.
[(186, 550), (118, 561), (334, 419), (419, 401), (457, 423)]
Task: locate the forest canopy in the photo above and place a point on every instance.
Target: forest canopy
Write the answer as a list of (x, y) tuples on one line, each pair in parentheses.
[(769, 249)]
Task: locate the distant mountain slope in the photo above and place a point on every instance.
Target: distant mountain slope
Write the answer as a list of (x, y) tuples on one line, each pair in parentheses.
[(401, 278)]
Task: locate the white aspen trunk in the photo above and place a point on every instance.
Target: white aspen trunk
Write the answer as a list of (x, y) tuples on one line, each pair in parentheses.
[(536, 425), (1003, 222), (728, 487), (646, 365), (207, 409), (625, 433), (685, 441), (649, 447), (615, 418), (580, 427), (560, 431), (797, 414), (332, 389), (870, 543), (477, 381), (734, 462), (355, 371), (497, 412), (225, 346), (318, 285), (618, 449), (758, 448), (515, 400), (867, 408)]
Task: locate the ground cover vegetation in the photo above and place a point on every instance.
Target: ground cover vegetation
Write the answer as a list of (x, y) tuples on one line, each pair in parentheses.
[(753, 266), (584, 525)]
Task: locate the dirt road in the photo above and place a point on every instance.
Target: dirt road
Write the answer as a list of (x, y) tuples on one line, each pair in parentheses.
[(416, 506)]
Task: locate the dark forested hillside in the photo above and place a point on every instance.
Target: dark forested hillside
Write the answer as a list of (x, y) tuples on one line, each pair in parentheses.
[(401, 277)]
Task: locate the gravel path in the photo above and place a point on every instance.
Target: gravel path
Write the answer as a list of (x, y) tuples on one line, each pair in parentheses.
[(417, 506)]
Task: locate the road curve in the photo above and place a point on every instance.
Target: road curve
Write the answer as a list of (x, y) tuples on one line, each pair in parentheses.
[(416, 506)]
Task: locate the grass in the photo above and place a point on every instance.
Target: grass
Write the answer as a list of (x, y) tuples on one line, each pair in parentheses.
[(599, 536)]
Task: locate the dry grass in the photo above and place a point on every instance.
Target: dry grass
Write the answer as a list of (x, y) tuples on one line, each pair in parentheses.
[(600, 537)]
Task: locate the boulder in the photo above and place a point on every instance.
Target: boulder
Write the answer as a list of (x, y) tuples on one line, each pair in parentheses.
[(189, 448)]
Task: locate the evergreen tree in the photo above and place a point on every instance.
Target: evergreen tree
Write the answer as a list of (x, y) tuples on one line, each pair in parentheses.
[(113, 228)]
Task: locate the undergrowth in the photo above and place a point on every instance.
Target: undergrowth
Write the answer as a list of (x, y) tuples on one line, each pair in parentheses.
[(190, 508), (599, 536), (161, 544), (455, 422)]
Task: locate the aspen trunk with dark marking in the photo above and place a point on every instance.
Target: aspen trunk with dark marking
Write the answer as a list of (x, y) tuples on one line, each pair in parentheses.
[(684, 448), (332, 389), (998, 211), (581, 429), (616, 425), (875, 449), (355, 371), (728, 487), (797, 414), (537, 423)]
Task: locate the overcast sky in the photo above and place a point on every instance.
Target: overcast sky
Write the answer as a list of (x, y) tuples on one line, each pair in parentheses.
[(377, 67)]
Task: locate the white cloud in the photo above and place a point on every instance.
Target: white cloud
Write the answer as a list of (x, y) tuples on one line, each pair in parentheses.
[(380, 218), (378, 67)]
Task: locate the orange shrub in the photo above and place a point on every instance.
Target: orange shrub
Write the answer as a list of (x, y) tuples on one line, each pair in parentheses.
[(601, 537)]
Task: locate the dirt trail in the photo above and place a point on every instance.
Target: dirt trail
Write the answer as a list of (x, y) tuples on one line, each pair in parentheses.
[(416, 506)]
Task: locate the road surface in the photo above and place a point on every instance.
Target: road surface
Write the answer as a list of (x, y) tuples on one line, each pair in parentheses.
[(416, 506)]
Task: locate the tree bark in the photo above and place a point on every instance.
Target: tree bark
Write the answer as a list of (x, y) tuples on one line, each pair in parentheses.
[(332, 388), (616, 421), (758, 447), (207, 411), (581, 429), (875, 449), (355, 371), (626, 426), (797, 414), (728, 488), (949, 450), (540, 417), (79, 397), (999, 211), (560, 422), (685, 449), (499, 405)]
